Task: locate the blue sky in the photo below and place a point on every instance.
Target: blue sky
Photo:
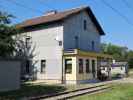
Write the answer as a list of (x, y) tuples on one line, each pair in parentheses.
[(117, 30)]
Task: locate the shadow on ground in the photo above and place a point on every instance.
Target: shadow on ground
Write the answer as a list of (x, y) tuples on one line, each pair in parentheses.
[(29, 90)]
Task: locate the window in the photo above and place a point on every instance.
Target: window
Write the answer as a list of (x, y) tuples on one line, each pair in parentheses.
[(27, 66), (87, 66), (85, 24), (93, 66), (93, 45), (80, 65), (76, 42), (121, 67), (27, 41), (60, 43), (68, 66), (43, 66)]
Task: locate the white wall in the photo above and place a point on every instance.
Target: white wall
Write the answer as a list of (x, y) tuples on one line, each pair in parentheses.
[(47, 48), (9, 75)]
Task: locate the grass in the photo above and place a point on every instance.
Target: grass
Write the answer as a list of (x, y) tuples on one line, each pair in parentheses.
[(28, 90), (122, 91), (130, 73)]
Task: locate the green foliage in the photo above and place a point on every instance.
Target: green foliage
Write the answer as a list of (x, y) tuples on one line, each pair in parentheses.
[(7, 43), (130, 58), (119, 53)]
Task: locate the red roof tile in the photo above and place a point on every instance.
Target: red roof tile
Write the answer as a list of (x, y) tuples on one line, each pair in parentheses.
[(60, 16)]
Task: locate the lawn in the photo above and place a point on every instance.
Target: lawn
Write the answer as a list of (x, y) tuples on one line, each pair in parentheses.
[(118, 92)]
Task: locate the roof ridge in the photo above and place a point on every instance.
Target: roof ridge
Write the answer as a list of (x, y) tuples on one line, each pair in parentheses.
[(58, 12), (80, 7), (61, 16)]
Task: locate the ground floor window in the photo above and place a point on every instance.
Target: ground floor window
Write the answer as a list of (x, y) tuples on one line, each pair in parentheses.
[(93, 66), (87, 65), (27, 66), (80, 65), (68, 66), (43, 66)]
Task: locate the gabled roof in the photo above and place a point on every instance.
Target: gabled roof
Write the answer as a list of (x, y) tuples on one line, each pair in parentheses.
[(60, 16)]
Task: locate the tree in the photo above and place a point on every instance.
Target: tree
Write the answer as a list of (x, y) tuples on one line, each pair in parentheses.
[(130, 58), (119, 53), (7, 43)]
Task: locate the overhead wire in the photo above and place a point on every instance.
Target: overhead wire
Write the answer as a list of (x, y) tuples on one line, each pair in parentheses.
[(117, 12)]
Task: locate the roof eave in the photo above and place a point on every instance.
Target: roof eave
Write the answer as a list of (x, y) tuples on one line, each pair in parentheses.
[(93, 18)]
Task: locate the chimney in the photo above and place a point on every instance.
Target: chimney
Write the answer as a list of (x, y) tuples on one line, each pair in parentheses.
[(51, 12)]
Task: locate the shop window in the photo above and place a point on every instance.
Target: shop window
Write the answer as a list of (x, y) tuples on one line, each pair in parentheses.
[(93, 66), (87, 66), (68, 66), (80, 65)]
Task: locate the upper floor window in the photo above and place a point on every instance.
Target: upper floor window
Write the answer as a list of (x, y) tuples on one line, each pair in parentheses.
[(93, 45), (76, 42), (85, 24), (27, 41)]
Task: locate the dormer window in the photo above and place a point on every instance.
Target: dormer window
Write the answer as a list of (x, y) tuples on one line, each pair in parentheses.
[(85, 24)]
